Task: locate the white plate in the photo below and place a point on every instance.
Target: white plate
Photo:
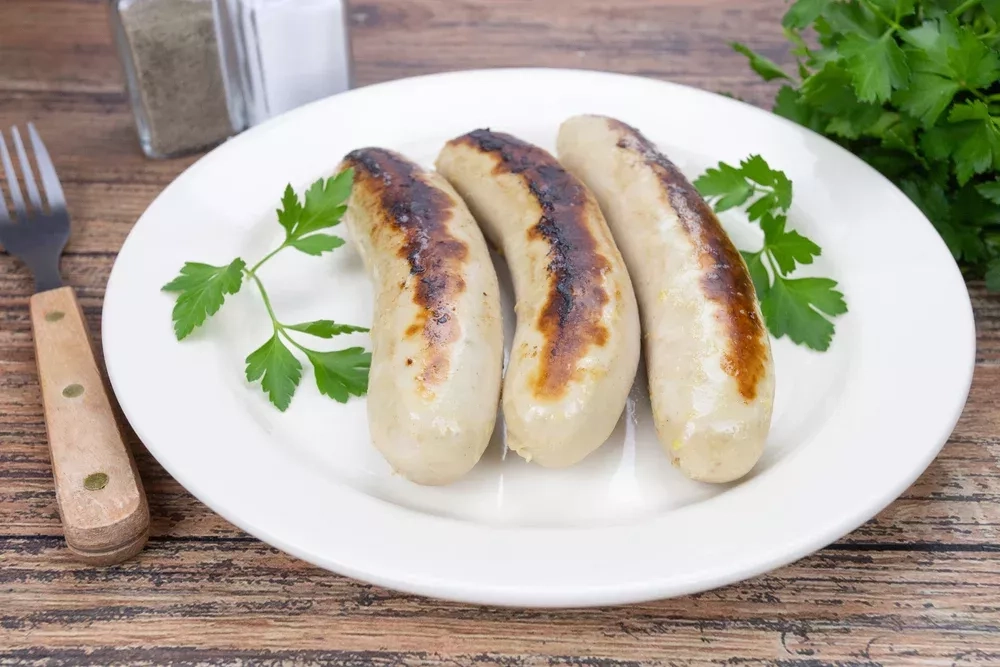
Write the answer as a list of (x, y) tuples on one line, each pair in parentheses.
[(852, 427)]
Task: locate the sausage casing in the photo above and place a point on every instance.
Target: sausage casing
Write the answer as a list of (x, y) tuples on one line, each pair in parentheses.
[(711, 375), (437, 339), (576, 345)]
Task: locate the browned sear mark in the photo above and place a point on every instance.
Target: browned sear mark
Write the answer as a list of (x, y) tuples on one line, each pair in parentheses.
[(571, 320), (726, 280), (419, 213)]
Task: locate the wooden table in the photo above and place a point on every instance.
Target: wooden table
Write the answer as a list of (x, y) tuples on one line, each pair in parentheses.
[(919, 584)]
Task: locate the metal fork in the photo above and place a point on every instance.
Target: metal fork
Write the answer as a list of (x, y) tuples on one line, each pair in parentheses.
[(101, 501)]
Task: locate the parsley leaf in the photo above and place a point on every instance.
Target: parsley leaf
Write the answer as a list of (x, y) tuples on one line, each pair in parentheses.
[(795, 307), (324, 206), (727, 183), (325, 328), (877, 66), (990, 191), (290, 212), (202, 290), (972, 62), (325, 203), (317, 244), (993, 277), (787, 248), (758, 272), (978, 145), (927, 97), (277, 369), (765, 67), (803, 12), (789, 104), (341, 374), (730, 187)]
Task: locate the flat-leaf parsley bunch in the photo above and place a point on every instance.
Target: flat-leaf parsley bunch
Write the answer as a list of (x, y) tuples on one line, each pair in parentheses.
[(913, 88), (202, 288)]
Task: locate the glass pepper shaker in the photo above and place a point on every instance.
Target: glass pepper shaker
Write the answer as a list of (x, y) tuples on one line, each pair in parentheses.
[(199, 71), (177, 84)]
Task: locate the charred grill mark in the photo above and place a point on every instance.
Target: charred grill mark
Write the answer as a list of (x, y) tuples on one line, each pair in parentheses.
[(571, 319), (419, 213), (726, 279)]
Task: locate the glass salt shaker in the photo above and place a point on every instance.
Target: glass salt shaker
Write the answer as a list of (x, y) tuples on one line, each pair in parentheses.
[(285, 53), (180, 95)]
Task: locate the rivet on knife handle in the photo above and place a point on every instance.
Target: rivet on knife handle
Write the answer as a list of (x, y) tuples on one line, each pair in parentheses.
[(100, 495)]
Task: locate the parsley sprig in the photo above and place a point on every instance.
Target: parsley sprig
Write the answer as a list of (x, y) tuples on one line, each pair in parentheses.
[(800, 308), (913, 88), (202, 289)]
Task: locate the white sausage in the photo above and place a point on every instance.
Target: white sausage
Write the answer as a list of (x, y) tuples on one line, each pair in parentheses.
[(711, 376), (437, 355), (576, 346)]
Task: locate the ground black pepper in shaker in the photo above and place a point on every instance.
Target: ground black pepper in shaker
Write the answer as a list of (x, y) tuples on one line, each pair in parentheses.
[(173, 67)]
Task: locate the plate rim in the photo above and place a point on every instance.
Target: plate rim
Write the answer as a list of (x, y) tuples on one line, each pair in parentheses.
[(505, 595)]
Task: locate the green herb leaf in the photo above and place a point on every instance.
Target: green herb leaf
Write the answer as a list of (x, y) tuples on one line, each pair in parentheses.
[(324, 205), (972, 62), (727, 183), (927, 96), (325, 328), (803, 12), (317, 244), (992, 276), (341, 374), (845, 18), (978, 140), (758, 171), (795, 307), (789, 104), (277, 369), (758, 272), (202, 290), (787, 248), (877, 66), (290, 212), (765, 67), (990, 190)]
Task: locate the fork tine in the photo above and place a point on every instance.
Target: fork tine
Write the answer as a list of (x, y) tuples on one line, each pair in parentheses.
[(29, 176), (47, 171), (15, 189)]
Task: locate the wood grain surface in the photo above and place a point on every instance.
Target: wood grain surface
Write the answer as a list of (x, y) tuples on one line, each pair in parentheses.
[(917, 585)]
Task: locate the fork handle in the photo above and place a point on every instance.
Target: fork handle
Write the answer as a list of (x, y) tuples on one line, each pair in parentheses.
[(101, 501)]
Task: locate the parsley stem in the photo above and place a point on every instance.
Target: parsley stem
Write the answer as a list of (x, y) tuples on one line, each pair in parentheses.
[(279, 328), (268, 256), (878, 12), (292, 340), (978, 94), (267, 301), (965, 6)]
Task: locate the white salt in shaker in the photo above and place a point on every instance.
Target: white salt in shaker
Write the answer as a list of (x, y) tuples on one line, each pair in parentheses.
[(282, 54)]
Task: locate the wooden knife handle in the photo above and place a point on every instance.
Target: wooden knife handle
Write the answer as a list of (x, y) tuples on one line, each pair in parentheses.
[(101, 501)]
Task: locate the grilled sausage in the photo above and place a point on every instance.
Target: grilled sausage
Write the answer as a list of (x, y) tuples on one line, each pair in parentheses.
[(576, 346), (437, 339), (711, 376)]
